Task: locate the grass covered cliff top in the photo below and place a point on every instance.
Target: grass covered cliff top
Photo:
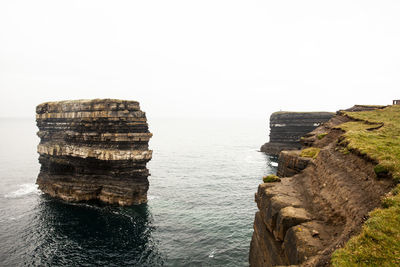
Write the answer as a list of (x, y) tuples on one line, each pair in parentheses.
[(378, 244), (376, 134)]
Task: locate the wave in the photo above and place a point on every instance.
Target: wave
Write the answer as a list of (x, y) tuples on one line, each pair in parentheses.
[(212, 254), (23, 190), (274, 164), (152, 197)]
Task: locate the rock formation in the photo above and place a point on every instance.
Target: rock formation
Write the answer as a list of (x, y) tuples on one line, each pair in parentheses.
[(94, 150), (291, 163), (305, 217), (286, 129)]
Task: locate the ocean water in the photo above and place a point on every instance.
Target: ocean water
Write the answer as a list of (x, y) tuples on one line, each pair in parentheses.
[(200, 212)]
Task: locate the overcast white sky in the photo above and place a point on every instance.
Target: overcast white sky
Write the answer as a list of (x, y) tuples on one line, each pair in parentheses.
[(200, 58)]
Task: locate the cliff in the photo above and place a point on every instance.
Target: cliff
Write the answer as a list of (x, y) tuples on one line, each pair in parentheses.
[(286, 129), (326, 195), (93, 150)]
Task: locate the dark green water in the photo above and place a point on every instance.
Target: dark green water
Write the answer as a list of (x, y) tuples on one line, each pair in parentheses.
[(200, 210)]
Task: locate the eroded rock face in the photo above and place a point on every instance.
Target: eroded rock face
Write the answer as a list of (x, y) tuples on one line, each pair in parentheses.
[(286, 129), (305, 217), (94, 150), (291, 163)]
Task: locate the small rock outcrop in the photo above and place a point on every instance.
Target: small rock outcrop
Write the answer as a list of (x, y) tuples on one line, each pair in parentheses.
[(286, 129), (291, 163), (94, 150)]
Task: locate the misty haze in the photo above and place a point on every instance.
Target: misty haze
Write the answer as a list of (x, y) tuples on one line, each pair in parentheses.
[(199, 133)]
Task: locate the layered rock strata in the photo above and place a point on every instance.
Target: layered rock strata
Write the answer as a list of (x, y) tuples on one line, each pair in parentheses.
[(305, 217), (286, 129), (291, 163), (94, 150)]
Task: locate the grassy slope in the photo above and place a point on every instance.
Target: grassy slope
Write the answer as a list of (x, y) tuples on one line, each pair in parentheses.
[(310, 152), (383, 144), (379, 241)]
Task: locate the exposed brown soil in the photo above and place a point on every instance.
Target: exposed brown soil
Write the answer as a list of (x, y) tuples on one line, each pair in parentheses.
[(337, 190), (340, 190)]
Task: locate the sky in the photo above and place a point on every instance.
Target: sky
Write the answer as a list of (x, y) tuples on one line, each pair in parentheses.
[(200, 59)]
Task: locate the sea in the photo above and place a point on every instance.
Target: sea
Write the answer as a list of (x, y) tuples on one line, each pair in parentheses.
[(200, 209)]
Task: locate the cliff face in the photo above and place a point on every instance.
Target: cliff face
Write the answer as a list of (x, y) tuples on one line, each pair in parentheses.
[(305, 217), (286, 129), (291, 163), (94, 149)]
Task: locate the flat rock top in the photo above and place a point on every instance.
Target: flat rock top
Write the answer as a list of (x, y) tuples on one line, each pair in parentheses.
[(87, 105), (290, 114)]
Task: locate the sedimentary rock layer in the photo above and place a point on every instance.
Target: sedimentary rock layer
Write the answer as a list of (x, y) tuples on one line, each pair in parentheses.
[(286, 129), (305, 217), (291, 163), (94, 150)]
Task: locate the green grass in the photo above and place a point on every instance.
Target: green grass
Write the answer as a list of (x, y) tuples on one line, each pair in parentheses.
[(271, 178), (381, 170), (382, 144), (379, 241), (378, 244), (320, 136), (310, 152)]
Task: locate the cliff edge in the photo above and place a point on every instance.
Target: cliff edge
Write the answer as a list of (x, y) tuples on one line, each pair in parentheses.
[(286, 129), (93, 150), (327, 192)]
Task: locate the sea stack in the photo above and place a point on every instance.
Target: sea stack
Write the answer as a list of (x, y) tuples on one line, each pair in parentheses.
[(94, 150), (286, 129)]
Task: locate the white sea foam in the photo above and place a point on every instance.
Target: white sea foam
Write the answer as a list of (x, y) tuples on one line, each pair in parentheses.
[(16, 218), (152, 197), (212, 254), (23, 190), (274, 164)]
